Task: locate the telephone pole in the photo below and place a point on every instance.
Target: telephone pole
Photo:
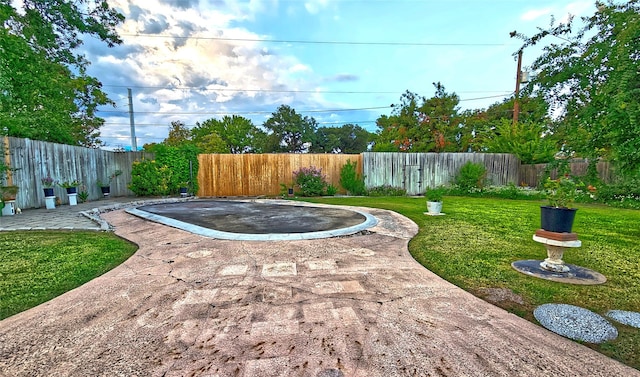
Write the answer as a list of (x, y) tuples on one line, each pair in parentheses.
[(516, 103), (134, 143)]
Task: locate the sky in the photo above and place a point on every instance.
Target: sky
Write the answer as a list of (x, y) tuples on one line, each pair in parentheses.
[(338, 61)]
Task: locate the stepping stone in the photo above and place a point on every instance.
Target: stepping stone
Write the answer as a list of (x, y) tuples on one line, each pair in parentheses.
[(626, 318), (575, 323)]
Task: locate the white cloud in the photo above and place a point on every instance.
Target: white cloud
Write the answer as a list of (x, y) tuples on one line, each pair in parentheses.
[(314, 6), (578, 9), (534, 14), (561, 11), (178, 66)]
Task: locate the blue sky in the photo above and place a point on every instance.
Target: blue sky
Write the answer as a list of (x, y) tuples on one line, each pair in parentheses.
[(192, 60)]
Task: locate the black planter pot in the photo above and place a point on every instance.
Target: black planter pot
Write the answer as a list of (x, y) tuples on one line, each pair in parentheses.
[(48, 191), (106, 190), (559, 220), (183, 191), (72, 190)]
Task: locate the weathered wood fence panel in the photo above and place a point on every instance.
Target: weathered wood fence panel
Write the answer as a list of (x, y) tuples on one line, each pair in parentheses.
[(530, 175), (415, 172), (262, 174), (34, 160)]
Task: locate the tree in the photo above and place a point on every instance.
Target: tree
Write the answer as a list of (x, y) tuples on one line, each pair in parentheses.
[(288, 131), (238, 134), (418, 124), (46, 93), (530, 141), (395, 131), (211, 143), (179, 134), (593, 78), (438, 130), (346, 139), (488, 130)]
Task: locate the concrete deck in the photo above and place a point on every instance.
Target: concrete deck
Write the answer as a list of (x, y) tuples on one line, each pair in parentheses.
[(187, 305)]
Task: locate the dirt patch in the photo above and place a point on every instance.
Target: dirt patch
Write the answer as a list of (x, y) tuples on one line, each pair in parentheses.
[(500, 295)]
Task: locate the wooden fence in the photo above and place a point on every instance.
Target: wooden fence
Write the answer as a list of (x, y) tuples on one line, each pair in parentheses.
[(530, 175), (415, 172), (257, 174), (34, 160), (262, 174)]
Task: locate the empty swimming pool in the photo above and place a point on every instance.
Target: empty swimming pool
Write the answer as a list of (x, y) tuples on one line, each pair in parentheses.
[(257, 219)]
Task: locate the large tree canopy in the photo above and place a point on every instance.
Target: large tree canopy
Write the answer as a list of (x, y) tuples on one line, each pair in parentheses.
[(346, 139), (45, 93), (238, 134), (419, 124), (592, 76), (289, 131)]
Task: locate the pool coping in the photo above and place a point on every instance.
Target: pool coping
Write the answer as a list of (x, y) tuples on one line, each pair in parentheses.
[(370, 221)]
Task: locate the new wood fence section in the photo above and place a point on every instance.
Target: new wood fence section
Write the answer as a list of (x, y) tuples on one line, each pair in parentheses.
[(262, 174), (35, 160), (415, 172)]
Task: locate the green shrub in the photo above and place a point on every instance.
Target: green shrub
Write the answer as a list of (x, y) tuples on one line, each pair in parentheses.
[(182, 160), (471, 177), (387, 190), (350, 179), (510, 191), (435, 194), (331, 190), (310, 181), (149, 178), (624, 193)]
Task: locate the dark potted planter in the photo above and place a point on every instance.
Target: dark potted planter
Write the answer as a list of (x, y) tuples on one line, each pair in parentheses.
[(71, 190), (105, 185), (48, 191), (558, 216), (183, 191), (559, 220)]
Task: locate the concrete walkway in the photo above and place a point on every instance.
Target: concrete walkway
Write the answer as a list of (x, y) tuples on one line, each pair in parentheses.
[(66, 217), (187, 305)]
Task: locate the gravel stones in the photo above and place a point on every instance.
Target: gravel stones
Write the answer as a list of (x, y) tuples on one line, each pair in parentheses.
[(575, 323), (626, 318)]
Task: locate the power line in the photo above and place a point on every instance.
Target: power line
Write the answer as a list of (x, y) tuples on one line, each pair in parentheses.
[(142, 35), (280, 90), (192, 125), (247, 112), (249, 90), (487, 97), (258, 112)]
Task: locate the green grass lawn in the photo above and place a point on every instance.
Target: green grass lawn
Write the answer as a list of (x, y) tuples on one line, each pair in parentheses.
[(474, 244), (36, 266)]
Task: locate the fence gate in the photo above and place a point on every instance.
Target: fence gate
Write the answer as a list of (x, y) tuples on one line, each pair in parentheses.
[(412, 181)]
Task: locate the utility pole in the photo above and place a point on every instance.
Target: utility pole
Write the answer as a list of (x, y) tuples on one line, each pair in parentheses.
[(516, 103), (134, 143)]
